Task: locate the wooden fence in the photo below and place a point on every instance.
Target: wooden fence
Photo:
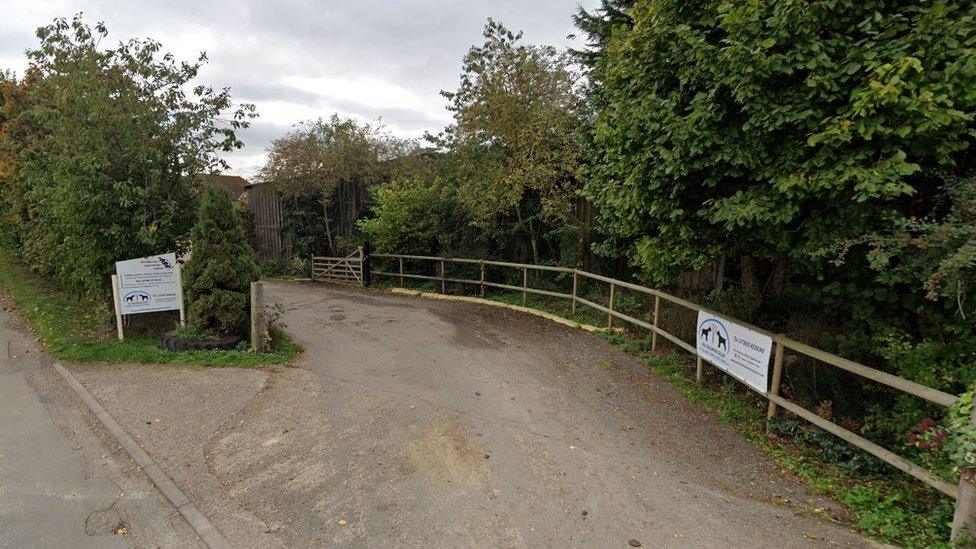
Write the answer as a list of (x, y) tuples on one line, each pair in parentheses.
[(265, 204), (339, 269), (782, 344)]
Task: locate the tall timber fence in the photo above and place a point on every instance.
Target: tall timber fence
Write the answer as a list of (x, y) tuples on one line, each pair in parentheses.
[(432, 269)]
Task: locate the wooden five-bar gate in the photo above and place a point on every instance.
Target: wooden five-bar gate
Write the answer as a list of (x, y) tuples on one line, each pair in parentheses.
[(339, 269)]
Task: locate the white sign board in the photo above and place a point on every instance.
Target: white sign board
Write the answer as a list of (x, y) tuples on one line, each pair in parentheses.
[(148, 284), (741, 352)]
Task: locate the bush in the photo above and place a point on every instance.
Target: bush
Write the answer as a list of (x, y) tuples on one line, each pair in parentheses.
[(99, 148), (413, 216), (218, 276)]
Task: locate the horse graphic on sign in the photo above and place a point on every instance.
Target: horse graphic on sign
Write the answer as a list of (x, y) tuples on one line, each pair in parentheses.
[(713, 335)]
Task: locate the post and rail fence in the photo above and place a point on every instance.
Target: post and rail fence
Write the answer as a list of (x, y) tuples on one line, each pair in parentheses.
[(963, 493)]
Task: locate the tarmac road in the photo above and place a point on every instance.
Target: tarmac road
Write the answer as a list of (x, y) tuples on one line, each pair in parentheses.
[(63, 481), (450, 424)]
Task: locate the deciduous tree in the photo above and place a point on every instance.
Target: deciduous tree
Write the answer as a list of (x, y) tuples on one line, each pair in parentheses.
[(102, 150), (514, 136)]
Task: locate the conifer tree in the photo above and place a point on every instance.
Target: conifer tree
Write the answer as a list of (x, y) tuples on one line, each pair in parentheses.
[(219, 273)]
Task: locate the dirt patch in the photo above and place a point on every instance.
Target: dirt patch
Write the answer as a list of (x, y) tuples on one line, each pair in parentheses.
[(447, 451), (173, 412)]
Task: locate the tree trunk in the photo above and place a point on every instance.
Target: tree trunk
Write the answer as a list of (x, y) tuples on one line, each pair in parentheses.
[(531, 232), (328, 231), (747, 273), (780, 276)]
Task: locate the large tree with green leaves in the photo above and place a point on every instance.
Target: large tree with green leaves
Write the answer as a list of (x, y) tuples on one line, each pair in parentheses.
[(101, 149), (827, 143), (319, 161), (514, 137), (766, 130)]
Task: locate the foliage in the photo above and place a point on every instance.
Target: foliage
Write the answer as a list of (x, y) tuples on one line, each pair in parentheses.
[(769, 129), (221, 268), (513, 140), (960, 446), (310, 166), (413, 216), (316, 156), (82, 330), (99, 150)]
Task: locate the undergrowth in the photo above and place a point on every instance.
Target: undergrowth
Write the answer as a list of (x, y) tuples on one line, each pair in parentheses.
[(81, 330)]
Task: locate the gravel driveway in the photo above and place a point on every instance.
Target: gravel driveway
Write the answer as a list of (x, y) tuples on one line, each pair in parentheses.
[(428, 423)]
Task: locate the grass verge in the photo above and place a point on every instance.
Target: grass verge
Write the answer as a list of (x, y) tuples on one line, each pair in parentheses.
[(80, 330)]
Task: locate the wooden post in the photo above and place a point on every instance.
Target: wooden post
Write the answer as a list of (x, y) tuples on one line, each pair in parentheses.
[(613, 294), (366, 263), (257, 316), (311, 267), (482, 278), (575, 282), (118, 306), (657, 307), (525, 284), (179, 283), (699, 368), (443, 285), (777, 376), (401, 271), (964, 519)]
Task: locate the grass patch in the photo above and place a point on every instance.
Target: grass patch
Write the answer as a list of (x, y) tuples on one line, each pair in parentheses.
[(81, 330)]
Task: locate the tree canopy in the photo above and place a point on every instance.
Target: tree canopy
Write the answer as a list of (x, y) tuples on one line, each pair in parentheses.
[(770, 130), (100, 149), (513, 141)]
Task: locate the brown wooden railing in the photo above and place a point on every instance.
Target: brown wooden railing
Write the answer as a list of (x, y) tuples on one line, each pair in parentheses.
[(781, 342)]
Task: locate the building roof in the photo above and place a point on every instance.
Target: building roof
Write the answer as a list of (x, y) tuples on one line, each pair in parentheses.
[(234, 184)]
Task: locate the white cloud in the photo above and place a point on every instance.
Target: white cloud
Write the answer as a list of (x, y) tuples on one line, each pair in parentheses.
[(301, 59)]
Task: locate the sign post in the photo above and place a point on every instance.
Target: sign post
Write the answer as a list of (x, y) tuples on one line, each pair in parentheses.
[(741, 352), (147, 285), (118, 309), (179, 280)]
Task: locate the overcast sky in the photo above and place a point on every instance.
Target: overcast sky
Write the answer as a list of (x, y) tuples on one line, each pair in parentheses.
[(301, 59)]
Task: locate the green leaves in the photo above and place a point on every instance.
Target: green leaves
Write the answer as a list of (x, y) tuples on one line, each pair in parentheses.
[(100, 149), (757, 117), (218, 276), (514, 139)]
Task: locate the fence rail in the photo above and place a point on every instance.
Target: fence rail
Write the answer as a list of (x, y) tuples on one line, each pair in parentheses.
[(339, 269), (781, 342)]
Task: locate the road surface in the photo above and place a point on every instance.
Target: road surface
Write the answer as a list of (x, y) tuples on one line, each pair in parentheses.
[(449, 424), (63, 480)]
